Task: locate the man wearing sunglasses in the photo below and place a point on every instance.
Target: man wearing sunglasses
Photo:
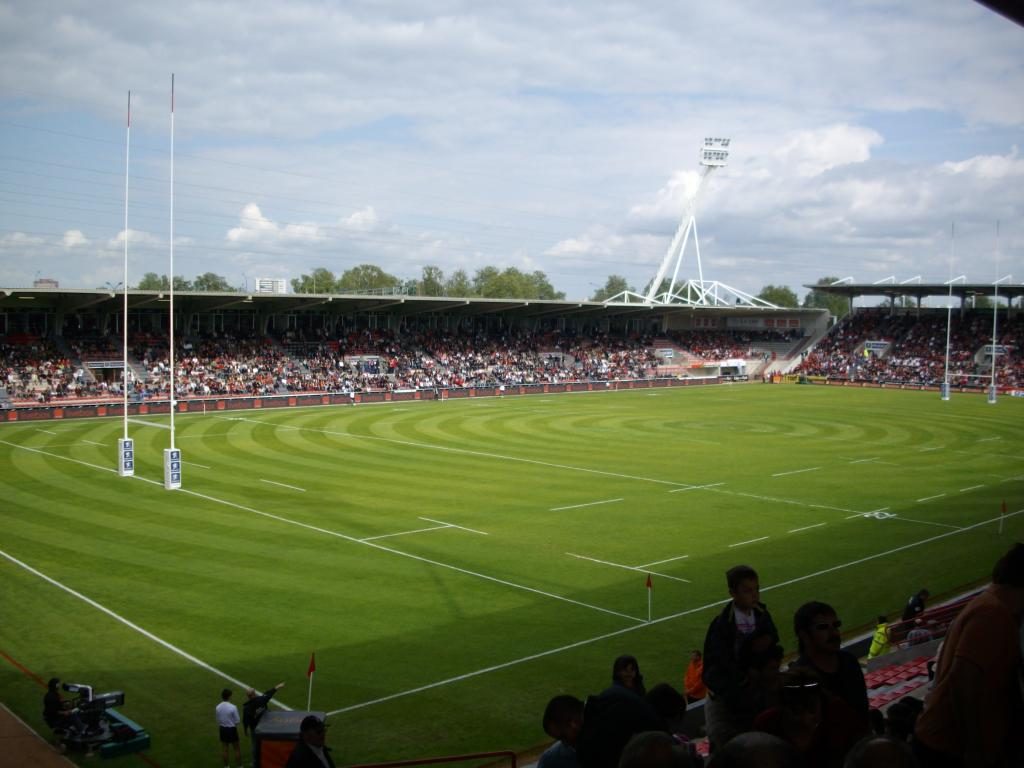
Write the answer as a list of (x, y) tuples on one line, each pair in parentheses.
[(817, 630)]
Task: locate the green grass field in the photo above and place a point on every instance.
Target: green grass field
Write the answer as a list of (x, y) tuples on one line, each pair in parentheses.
[(453, 565)]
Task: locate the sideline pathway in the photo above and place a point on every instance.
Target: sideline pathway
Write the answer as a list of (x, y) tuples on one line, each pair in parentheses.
[(22, 747)]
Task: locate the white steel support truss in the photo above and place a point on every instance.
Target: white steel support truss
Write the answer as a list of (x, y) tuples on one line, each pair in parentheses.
[(699, 292)]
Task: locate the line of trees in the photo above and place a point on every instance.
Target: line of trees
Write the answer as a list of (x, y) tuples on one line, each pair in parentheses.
[(486, 282), (784, 296)]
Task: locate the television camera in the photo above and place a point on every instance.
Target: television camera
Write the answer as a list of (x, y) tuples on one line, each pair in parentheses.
[(90, 708)]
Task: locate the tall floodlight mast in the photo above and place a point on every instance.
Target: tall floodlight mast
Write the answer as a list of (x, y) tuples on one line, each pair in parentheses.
[(714, 155)]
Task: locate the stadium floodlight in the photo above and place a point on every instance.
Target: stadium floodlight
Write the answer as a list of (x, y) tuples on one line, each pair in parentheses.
[(714, 155), (944, 389)]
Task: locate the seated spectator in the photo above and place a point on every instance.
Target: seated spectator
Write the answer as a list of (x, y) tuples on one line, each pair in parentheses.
[(880, 640), (880, 752), (815, 723), (817, 629), (693, 681), (626, 673), (915, 605), (654, 749), (755, 750), (901, 718), (563, 720)]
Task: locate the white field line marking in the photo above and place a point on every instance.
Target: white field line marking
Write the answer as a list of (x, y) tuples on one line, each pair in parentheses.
[(588, 504), (130, 624), (971, 488), (399, 552), (483, 454), (927, 522), (751, 541), (807, 527), (453, 525), (866, 514), (864, 461), (796, 471), (343, 536), (404, 533), (782, 501), (988, 439), (1012, 479), (628, 567), (926, 450), (47, 431), (200, 436), (283, 485), (666, 560), (194, 464), (929, 498), (696, 487), (144, 423), (93, 442), (660, 620)]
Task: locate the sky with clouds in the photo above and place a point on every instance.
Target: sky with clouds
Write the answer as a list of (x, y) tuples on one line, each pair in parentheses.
[(562, 137)]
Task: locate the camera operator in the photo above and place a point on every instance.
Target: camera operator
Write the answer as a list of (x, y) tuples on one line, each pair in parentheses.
[(58, 713)]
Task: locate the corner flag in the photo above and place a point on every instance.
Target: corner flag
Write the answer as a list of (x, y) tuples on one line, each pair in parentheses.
[(309, 674), (650, 590)]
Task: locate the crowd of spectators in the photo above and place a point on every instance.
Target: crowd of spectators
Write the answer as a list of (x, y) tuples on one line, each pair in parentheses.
[(34, 369), (916, 349), (815, 713)]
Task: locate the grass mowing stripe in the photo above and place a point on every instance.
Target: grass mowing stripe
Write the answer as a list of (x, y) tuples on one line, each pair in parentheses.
[(354, 540), (485, 454), (130, 624), (663, 619)]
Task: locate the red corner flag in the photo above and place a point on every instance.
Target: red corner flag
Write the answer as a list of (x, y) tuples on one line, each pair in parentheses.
[(312, 665), (650, 592), (649, 585)]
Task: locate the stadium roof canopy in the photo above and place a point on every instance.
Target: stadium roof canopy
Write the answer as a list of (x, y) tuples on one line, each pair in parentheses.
[(79, 300), (893, 289)]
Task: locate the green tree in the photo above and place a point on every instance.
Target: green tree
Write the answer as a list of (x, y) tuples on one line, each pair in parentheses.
[(483, 280), (615, 285), (320, 280), (208, 281), (541, 288), (366, 277), (431, 282), (834, 303), (459, 285), (151, 281), (779, 295)]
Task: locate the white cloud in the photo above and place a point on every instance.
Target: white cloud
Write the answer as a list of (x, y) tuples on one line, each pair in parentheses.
[(74, 237), (254, 227), (364, 220), (811, 153)]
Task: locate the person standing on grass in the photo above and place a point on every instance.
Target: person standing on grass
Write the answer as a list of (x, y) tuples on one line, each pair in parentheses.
[(254, 707), (728, 686), (227, 722)]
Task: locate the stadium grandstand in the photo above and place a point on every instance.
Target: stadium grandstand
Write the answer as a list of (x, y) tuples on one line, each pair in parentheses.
[(63, 347)]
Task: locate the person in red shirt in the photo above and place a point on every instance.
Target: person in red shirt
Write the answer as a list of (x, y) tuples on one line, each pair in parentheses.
[(693, 682)]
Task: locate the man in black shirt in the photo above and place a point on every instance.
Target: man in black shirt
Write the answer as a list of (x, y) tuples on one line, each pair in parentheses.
[(255, 706), (915, 605)]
